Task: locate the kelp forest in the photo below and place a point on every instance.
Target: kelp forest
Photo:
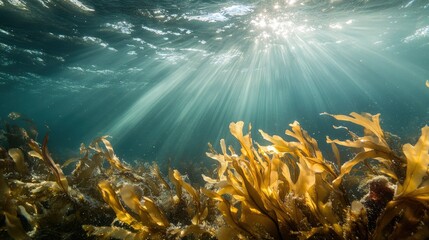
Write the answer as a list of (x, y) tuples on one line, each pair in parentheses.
[(371, 186)]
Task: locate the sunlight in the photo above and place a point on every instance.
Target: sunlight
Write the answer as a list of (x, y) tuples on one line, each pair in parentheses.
[(265, 64)]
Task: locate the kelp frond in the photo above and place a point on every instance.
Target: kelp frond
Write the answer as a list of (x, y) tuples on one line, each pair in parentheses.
[(44, 155), (18, 157), (265, 190), (417, 157), (9, 210), (410, 203), (373, 144), (112, 199), (146, 218), (108, 152), (271, 187)]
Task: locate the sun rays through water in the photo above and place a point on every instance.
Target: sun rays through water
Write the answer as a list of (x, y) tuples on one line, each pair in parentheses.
[(274, 63), (164, 79)]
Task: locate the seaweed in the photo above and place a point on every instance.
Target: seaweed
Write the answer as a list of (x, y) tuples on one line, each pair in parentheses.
[(279, 191), (44, 155), (289, 190), (284, 189), (410, 202)]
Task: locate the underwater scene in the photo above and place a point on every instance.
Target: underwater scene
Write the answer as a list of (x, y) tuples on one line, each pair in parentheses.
[(198, 119)]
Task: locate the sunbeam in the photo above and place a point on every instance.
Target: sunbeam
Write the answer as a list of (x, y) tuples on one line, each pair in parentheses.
[(165, 80), (280, 62)]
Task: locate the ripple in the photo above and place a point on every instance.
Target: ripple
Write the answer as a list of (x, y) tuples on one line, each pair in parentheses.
[(5, 32), (24, 5), (211, 17), (93, 70), (19, 4), (81, 6), (418, 34), (44, 3), (123, 27), (237, 10), (96, 40)]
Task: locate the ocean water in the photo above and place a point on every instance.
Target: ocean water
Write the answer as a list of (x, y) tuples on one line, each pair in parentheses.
[(164, 78)]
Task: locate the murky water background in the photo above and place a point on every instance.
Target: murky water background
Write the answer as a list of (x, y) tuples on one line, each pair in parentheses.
[(163, 78)]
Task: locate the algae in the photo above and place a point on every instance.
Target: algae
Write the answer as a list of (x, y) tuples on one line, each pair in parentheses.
[(285, 189)]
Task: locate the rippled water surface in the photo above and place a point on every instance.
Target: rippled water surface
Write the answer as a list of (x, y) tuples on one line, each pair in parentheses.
[(163, 78)]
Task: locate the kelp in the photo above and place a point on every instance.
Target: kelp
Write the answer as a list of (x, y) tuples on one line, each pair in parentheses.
[(272, 187), (373, 144), (44, 155), (18, 157), (411, 198), (13, 224), (147, 220), (109, 153), (285, 189), (289, 190)]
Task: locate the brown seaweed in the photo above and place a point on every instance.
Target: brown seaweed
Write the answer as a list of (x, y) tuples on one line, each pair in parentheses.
[(286, 189), (44, 155)]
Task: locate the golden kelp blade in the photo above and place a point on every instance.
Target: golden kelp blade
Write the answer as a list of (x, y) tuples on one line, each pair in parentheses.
[(427, 83), (336, 154), (201, 210), (236, 130), (155, 213), (279, 143), (148, 212), (370, 123), (373, 143), (223, 160), (109, 153), (157, 173), (347, 167), (44, 155), (58, 172), (18, 157), (192, 191), (306, 147), (177, 198), (417, 164), (111, 198), (13, 224)]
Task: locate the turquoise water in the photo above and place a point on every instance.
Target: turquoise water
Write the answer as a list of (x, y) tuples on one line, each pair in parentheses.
[(164, 78)]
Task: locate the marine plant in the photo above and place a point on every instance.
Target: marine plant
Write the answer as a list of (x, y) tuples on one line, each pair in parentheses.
[(290, 190), (287, 188)]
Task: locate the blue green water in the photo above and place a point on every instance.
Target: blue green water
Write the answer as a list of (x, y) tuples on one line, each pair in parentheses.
[(164, 78)]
